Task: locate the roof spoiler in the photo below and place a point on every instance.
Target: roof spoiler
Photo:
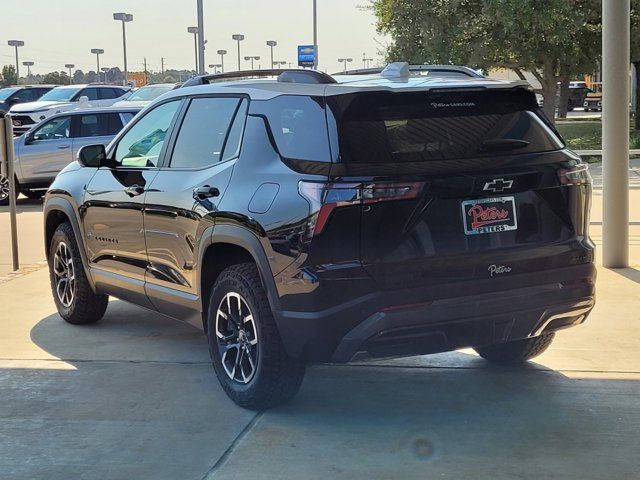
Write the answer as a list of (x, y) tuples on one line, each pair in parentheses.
[(283, 76), (403, 70)]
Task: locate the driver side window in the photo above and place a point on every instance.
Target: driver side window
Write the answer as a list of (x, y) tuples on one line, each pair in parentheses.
[(55, 129), (142, 144)]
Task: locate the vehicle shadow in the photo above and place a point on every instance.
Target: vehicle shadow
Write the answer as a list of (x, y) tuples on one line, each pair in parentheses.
[(630, 273), (24, 205), (138, 399)]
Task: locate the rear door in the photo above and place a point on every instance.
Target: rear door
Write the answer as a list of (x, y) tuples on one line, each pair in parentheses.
[(95, 128), (456, 185), (182, 198)]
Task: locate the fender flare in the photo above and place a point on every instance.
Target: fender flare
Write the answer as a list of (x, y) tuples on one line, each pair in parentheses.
[(61, 204), (244, 238)]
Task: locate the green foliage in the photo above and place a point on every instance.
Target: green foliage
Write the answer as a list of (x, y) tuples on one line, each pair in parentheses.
[(550, 38), (587, 135), (8, 75), (56, 78)]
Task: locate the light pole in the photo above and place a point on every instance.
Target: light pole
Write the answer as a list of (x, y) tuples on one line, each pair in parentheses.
[(345, 61), (252, 59), (238, 37), (315, 35), (222, 53), (105, 70), (271, 43), (28, 65), (365, 60), (279, 63), (69, 66), (201, 40), (194, 30), (124, 18), (97, 52), (216, 67), (16, 43)]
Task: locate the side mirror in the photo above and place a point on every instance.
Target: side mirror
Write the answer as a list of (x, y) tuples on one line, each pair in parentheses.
[(28, 138), (94, 156), (13, 101), (83, 99)]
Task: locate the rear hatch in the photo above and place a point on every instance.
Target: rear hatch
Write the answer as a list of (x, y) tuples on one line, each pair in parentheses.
[(458, 185)]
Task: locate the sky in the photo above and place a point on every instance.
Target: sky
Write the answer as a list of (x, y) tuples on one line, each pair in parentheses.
[(56, 32)]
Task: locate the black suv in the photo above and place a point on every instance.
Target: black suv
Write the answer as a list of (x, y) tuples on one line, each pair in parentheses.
[(300, 218), (11, 96)]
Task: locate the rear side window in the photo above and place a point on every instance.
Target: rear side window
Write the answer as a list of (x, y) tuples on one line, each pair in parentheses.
[(299, 126), (98, 125), (91, 93), (203, 132), (384, 127)]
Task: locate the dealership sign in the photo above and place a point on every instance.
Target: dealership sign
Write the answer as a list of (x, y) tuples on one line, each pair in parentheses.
[(306, 55)]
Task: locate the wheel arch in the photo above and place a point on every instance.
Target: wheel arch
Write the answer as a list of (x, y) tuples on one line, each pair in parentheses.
[(58, 210), (229, 245)]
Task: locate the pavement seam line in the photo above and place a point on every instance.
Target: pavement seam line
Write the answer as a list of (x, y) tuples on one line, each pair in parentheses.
[(229, 451)]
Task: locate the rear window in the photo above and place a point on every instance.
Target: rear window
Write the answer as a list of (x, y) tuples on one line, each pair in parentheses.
[(298, 125), (385, 127)]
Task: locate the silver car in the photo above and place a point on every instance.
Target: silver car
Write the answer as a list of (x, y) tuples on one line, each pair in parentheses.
[(51, 145)]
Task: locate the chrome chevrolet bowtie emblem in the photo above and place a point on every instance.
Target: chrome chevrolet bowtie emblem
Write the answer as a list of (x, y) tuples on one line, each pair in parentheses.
[(498, 185)]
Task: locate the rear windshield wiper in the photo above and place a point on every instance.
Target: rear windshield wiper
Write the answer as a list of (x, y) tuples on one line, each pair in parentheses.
[(502, 144)]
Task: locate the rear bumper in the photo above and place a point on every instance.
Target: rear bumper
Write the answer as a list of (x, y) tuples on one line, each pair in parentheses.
[(464, 314)]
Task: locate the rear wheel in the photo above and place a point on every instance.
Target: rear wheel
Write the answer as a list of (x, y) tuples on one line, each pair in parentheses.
[(518, 351), (75, 300), (245, 346)]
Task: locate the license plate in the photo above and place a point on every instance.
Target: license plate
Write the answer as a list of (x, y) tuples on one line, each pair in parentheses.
[(489, 215), (16, 123)]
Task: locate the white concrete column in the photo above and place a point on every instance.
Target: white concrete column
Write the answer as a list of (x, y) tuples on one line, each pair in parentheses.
[(615, 132)]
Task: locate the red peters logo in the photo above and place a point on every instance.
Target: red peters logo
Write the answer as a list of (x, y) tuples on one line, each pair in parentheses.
[(485, 216)]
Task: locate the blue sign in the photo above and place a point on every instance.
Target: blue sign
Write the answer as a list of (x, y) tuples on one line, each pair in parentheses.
[(306, 55)]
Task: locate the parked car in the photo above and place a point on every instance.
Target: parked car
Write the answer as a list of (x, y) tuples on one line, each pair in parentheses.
[(11, 96), (307, 218), (578, 91), (54, 143), (145, 95), (593, 102), (62, 99)]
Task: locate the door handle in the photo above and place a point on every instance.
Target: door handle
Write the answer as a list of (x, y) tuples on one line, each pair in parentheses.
[(134, 190), (200, 193), (63, 147)]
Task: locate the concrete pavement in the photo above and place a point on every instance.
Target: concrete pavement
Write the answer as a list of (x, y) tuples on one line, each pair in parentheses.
[(135, 397)]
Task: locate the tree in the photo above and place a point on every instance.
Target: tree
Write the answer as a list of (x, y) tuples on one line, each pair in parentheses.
[(56, 78), (9, 75), (553, 39)]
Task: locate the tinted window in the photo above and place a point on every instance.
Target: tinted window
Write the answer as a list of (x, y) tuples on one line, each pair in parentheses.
[(99, 125), (109, 93), (26, 95), (384, 127), (232, 147), (55, 129), (203, 131), (142, 144), (40, 91), (299, 126), (92, 93), (127, 117)]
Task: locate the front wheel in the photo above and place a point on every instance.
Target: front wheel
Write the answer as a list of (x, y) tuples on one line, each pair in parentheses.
[(75, 300), (245, 346), (518, 351)]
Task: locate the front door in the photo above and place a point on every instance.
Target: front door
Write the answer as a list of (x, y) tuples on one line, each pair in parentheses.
[(113, 202), (183, 198), (46, 151)]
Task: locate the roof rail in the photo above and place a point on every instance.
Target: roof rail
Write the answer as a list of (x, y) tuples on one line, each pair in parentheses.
[(284, 75), (416, 68)]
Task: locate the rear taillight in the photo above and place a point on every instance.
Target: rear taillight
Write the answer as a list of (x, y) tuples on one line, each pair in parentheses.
[(325, 197), (576, 175)]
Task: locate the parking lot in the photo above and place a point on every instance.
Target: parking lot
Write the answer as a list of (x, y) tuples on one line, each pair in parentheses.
[(135, 397)]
